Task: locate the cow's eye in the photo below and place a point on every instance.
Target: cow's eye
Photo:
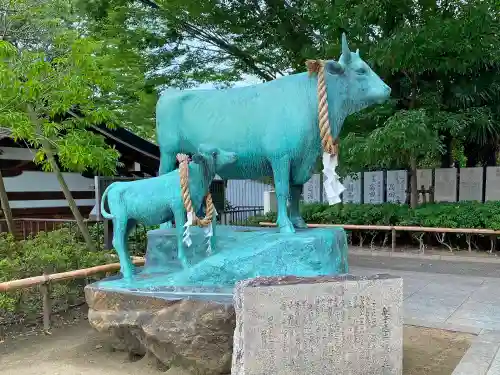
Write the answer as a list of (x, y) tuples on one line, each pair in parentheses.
[(361, 71)]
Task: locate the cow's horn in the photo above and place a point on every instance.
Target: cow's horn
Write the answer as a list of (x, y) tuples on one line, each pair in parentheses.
[(346, 53), (345, 46)]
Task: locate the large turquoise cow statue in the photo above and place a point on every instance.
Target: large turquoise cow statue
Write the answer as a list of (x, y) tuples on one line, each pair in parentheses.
[(272, 127)]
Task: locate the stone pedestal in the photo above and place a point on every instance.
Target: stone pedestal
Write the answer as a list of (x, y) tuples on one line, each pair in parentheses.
[(185, 317), (194, 334), (243, 253), (318, 326)]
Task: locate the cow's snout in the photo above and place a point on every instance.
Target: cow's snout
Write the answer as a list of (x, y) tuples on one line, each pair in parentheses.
[(387, 90)]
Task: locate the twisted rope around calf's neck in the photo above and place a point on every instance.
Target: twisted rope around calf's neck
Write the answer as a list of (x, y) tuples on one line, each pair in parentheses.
[(329, 144), (186, 196)]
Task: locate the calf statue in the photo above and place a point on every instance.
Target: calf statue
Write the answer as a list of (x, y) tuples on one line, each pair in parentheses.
[(158, 200), (273, 127)]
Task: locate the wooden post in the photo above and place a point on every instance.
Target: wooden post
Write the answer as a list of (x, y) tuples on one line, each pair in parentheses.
[(424, 195), (108, 234), (45, 290), (393, 242), (6, 206)]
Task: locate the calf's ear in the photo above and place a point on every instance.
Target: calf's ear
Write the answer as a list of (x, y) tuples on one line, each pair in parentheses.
[(205, 149), (198, 158), (334, 67)]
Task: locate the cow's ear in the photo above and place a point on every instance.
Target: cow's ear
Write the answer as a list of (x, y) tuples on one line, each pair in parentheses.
[(198, 158), (334, 67), (205, 149)]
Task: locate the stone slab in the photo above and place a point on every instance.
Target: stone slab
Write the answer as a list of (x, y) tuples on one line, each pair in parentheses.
[(477, 360), (445, 185), (471, 184), (316, 326), (352, 192), (492, 184), (312, 189), (373, 187), (397, 184), (424, 177), (179, 330)]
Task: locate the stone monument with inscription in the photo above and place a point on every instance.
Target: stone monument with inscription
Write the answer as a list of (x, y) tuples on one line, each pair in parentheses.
[(316, 326), (312, 189), (397, 186), (471, 184), (352, 192), (492, 184), (373, 187), (445, 185)]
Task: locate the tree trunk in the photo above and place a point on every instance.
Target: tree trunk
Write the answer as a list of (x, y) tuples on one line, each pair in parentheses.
[(413, 183), (447, 157), (47, 148), (6, 206)]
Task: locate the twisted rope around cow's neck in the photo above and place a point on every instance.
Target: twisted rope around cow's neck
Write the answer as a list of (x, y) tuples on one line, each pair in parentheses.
[(186, 196), (329, 144)]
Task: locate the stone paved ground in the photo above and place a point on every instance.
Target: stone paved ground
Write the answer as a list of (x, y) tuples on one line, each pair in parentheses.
[(449, 295), (438, 294), (468, 302)]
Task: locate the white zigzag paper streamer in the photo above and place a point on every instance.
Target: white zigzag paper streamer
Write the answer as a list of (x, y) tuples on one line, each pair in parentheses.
[(332, 185), (209, 232), (186, 236)]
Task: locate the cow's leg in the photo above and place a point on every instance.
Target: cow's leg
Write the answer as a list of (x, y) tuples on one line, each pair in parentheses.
[(212, 239), (167, 164), (295, 217), (180, 220), (166, 225), (281, 172), (120, 235)]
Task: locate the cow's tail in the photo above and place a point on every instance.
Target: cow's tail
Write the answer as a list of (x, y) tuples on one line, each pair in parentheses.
[(104, 213)]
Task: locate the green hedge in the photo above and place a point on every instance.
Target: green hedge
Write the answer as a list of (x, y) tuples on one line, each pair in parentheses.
[(444, 215), (57, 251)]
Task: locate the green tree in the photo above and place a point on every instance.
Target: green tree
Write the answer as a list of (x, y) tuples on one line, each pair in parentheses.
[(441, 59), (39, 91)]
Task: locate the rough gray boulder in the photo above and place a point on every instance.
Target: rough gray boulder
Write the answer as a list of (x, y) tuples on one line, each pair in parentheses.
[(194, 335)]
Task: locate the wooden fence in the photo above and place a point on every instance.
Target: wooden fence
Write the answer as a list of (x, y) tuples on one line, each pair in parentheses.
[(394, 229), (44, 282)]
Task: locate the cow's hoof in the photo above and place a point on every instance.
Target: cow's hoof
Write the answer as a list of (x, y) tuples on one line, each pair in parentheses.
[(287, 228), (166, 225), (128, 272), (298, 222), (185, 263)]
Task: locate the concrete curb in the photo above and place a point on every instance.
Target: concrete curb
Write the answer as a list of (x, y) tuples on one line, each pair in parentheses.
[(449, 258), (483, 357), (441, 325)]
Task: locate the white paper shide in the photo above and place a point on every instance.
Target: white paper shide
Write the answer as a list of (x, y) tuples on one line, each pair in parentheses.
[(333, 186)]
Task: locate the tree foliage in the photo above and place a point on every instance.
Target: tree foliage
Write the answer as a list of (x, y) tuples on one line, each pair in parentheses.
[(43, 90), (440, 57)]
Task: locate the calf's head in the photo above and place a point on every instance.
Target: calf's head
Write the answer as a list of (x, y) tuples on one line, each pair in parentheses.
[(353, 82), (212, 159)]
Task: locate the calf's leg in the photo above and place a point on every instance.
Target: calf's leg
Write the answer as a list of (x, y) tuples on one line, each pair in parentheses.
[(167, 164), (281, 171), (212, 239), (295, 217), (120, 234), (180, 220)]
